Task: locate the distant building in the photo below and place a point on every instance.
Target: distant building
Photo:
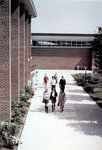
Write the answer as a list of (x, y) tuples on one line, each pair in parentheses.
[(61, 51), (15, 50)]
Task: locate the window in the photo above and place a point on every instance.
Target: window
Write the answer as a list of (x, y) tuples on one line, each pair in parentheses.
[(79, 44), (74, 43), (44, 43)]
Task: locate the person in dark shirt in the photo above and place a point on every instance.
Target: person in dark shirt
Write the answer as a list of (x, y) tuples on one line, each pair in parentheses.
[(62, 83), (53, 96)]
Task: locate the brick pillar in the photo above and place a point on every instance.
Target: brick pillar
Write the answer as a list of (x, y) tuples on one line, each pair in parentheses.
[(5, 59), (22, 47), (15, 49), (26, 45), (29, 70)]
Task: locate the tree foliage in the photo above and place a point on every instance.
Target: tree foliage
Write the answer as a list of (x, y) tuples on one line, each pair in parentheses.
[(97, 48)]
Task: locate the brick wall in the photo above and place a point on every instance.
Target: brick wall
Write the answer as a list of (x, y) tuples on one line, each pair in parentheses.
[(5, 61), (29, 49), (26, 44), (15, 49), (15, 28), (58, 58), (22, 46)]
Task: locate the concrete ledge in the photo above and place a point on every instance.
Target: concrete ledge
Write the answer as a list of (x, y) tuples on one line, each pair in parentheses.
[(29, 5)]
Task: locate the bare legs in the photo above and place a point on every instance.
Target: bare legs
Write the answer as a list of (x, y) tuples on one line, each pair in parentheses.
[(61, 107), (53, 107)]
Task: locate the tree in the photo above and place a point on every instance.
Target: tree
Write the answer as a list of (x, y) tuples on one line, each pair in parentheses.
[(97, 48)]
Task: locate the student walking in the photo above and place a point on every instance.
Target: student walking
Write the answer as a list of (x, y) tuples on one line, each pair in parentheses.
[(53, 96), (62, 83), (46, 79), (53, 83), (61, 99), (56, 78), (36, 79), (46, 99)]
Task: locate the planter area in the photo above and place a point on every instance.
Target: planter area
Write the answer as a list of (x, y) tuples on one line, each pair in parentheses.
[(10, 130), (92, 84)]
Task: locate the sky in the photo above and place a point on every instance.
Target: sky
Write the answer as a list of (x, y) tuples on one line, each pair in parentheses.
[(67, 16)]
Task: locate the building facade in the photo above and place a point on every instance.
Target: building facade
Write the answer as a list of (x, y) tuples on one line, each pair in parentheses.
[(61, 51), (15, 47)]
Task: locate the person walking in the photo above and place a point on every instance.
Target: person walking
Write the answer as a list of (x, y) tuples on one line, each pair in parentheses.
[(46, 99), (56, 78), (53, 83), (36, 79), (46, 79), (61, 99), (53, 96), (62, 83)]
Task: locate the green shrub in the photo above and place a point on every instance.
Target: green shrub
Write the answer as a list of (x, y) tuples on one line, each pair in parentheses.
[(7, 128), (18, 120), (88, 88), (29, 90), (94, 79), (23, 98), (23, 104), (24, 110), (15, 104)]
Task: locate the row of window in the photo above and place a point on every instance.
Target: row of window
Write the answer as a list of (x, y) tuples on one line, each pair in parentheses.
[(62, 43)]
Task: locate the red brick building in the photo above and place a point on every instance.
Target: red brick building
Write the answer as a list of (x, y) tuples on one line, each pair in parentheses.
[(61, 51), (15, 31)]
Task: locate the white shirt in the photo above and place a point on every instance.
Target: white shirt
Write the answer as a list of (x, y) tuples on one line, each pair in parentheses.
[(46, 95), (53, 94), (53, 82)]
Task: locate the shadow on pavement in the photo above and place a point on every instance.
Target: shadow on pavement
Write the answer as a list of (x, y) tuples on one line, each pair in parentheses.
[(83, 117), (77, 97), (86, 116)]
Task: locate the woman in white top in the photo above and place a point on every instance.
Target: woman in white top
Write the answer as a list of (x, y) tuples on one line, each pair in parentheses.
[(53, 83), (46, 99)]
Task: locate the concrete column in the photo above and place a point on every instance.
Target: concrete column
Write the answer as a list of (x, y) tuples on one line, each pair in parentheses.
[(5, 59), (15, 83), (22, 47), (26, 45)]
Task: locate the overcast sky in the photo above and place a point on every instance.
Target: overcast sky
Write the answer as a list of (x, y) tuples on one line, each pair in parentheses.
[(67, 16)]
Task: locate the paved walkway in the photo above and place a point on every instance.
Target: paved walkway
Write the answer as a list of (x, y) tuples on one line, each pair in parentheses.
[(79, 127)]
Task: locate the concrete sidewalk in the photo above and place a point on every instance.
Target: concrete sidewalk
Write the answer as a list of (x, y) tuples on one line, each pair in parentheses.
[(79, 127)]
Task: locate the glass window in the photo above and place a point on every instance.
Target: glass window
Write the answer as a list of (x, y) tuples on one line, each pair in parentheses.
[(74, 43), (79, 43)]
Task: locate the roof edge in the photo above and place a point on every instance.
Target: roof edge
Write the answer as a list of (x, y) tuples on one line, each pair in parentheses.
[(61, 34)]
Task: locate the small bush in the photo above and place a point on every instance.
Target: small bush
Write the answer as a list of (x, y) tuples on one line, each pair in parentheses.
[(24, 97), (23, 104), (88, 88), (29, 90), (7, 129), (18, 120)]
